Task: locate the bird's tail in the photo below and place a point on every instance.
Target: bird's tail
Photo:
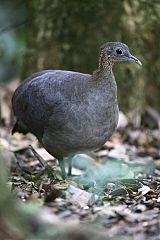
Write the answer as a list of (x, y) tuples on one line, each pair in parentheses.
[(19, 127)]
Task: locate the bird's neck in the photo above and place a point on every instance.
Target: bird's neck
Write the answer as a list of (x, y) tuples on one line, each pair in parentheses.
[(103, 87), (105, 65), (105, 61), (103, 75)]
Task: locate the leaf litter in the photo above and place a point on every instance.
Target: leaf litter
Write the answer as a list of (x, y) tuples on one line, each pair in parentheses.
[(115, 191)]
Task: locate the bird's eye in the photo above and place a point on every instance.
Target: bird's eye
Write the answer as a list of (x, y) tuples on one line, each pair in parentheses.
[(119, 51)]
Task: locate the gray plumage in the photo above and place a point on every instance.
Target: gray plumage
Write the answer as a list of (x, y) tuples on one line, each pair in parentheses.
[(71, 112)]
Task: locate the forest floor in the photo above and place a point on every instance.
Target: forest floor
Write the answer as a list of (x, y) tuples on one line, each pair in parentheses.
[(114, 193)]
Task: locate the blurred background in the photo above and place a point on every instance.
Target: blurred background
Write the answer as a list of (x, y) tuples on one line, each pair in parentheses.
[(52, 34)]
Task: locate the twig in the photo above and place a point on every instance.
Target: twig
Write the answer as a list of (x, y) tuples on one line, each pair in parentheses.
[(38, 157)]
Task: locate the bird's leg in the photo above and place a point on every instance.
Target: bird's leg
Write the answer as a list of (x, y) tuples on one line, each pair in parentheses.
[(70, 166), (62, 167)]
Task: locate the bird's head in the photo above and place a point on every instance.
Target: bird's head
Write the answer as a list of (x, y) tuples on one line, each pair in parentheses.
[(112, 52)]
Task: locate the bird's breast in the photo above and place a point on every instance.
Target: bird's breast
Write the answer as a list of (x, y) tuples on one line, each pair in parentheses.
[(102, 119), (82, 125)]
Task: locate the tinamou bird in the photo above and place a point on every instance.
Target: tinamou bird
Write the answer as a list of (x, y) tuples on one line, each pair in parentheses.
[(71, 112)]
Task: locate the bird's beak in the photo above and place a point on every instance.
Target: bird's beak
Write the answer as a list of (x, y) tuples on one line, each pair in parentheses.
[(134, 59)]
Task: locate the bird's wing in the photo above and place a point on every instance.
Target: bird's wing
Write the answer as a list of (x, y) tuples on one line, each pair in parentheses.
[(42, 95)]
